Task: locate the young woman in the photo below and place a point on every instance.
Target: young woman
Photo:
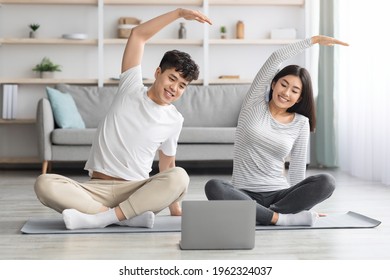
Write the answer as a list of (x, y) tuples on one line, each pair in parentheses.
[(275, 121)]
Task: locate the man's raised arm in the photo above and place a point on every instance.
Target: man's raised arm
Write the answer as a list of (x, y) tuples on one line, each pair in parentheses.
[(142, 33)]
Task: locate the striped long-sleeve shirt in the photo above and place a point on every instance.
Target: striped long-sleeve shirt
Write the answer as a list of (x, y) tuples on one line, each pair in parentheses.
[(262, 143)]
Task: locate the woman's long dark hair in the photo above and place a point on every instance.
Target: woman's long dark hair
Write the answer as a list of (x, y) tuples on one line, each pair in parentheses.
[(306, 104)]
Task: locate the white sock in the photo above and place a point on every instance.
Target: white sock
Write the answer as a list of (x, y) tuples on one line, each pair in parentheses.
[(77, 220), (146, 219), (304, 218)]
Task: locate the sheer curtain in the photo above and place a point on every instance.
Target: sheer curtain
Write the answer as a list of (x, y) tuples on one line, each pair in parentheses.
[(325, 135), (362, 89)]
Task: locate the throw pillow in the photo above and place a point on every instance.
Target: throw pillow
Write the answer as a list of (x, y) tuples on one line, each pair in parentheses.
[(64, 109)]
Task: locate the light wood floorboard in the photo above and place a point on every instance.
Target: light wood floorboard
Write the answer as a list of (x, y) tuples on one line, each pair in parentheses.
[(18, 203)]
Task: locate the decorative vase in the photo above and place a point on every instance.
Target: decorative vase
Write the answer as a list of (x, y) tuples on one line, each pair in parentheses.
[(33, 34), (222, 32), (182, 31), (240, 28), (47, 75)]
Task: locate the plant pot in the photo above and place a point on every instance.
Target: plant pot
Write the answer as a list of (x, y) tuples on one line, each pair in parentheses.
[(47, 75), (33, 34)]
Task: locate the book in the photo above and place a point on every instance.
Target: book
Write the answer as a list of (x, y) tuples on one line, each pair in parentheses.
[(5, 101), (9, 101), (3, 104), (14, 102)]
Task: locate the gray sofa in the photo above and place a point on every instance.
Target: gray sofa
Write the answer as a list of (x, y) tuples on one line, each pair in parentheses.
[(210, 119)]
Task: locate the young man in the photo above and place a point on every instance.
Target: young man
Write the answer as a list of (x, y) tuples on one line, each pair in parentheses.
[(140, 122)]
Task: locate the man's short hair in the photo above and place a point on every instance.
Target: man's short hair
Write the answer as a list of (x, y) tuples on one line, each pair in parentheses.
[(182, 63)]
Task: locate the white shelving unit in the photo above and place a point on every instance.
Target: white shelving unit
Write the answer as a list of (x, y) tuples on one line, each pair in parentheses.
[(97, 58), (102, 42)]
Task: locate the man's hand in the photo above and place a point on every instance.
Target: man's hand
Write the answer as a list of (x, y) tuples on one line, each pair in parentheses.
[(142, 33), (194, 15)]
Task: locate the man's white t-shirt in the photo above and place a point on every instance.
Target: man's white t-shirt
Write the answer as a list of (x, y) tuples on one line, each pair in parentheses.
[(134, 129)]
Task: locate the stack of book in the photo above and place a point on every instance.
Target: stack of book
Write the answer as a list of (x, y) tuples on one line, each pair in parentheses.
[(9, 101)]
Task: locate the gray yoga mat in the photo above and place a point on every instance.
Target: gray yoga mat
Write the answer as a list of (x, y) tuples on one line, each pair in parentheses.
[(173, 224)]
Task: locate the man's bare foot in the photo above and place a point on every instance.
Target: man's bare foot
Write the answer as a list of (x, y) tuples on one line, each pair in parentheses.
[(175, 209)]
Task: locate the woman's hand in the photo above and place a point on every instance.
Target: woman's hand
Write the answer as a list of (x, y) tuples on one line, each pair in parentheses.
[(194, 15), (327, 41)]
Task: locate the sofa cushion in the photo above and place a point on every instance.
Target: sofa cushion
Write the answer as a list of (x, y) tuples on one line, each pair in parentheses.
[(64, 109), (73, 136), (199, 135), (211, 106), (92, 102)]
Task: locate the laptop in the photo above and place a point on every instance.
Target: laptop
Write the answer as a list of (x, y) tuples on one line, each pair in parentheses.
[(218, 224)]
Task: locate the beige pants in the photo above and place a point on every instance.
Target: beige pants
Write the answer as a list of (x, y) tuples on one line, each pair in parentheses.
[(133, 197)]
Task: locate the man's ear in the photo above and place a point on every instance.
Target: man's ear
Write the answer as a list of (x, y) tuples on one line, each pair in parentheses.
[(157, 72)]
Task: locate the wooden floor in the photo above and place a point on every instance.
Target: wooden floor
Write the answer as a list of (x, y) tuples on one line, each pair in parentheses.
[(18, 203)]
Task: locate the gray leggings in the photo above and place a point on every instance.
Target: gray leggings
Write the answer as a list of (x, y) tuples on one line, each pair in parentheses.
[(302, 196)]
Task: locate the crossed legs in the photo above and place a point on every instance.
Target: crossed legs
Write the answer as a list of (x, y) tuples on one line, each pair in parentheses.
[(98, 203), (284, 207)]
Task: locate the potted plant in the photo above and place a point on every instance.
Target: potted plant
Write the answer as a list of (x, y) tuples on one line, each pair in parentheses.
[(222, 30), (46, 68), (33, 32)]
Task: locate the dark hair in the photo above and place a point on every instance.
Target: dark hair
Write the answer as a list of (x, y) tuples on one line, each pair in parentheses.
[(182, 63), (306, 105)]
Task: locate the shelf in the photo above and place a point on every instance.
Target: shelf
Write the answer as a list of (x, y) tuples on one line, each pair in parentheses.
[(115, 41), (146, 82), (46, 41), (48, 2), (229, 81), (200, 2), (256, 2), (17, 121), (250, 42), (155, 2), (39, 81), (112, 41)]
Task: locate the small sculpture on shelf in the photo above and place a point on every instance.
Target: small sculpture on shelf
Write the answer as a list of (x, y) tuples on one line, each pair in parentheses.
[(125, 25), (33, 32), (222, 31), (240, 30), (182, 31), (46, 68)]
